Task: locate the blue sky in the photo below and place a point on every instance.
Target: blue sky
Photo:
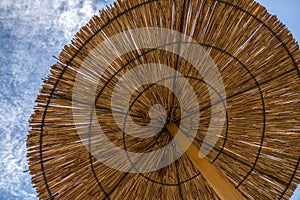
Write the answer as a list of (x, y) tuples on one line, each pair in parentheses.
[(31, 31)]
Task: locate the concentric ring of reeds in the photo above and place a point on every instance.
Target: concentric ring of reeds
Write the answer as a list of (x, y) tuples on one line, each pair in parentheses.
[(258, 150)]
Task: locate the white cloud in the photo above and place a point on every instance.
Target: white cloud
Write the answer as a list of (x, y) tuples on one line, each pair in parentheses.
[(71, 18)]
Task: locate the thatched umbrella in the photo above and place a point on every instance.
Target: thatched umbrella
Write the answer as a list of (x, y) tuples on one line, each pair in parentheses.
[(148, 84)]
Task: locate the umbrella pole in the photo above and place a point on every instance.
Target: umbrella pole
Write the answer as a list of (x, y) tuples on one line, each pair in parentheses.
[(224, 189)]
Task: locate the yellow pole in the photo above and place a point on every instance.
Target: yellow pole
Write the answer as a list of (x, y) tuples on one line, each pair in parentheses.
[(224, 189)]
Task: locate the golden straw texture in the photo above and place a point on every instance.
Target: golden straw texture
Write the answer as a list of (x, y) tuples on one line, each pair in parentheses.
[(258, 150)]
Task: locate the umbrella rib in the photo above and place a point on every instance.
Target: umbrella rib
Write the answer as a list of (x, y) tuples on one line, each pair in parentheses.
[(291, 179), (251, 88), (268, 27), (95, 175), (177, 56), (97, 106), (178, 180), (117, 184), (174, 86), (122, 178)]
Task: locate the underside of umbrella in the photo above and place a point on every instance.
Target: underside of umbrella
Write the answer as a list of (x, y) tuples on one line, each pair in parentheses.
[(129, 104)]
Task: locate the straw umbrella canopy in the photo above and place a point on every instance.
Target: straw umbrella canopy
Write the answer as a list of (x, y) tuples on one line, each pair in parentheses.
[(103, 110)]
